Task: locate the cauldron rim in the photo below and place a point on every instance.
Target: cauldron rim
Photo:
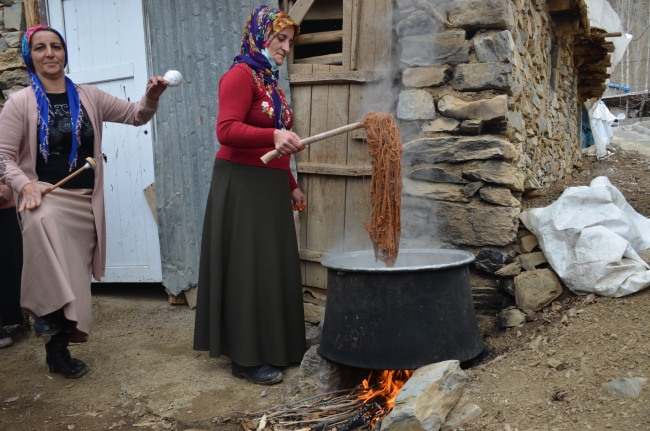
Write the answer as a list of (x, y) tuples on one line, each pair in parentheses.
[(345, 261)]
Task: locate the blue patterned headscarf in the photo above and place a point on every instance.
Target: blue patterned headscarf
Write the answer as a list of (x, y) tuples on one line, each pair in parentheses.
[(43, 102), (261, 27)]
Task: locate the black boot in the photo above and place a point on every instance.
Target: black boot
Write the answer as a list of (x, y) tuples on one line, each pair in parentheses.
[(48, 324), (264, 374), (58, 356)]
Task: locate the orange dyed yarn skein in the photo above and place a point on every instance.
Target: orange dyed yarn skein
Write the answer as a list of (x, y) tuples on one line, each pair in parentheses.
[(385, 148)]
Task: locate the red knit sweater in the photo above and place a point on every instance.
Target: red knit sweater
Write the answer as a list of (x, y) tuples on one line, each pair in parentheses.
[(244, 125)]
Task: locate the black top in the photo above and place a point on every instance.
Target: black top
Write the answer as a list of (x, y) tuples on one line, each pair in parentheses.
[(57, 166)]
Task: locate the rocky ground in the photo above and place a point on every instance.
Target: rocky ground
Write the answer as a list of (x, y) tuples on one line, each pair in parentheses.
[(144, 374)]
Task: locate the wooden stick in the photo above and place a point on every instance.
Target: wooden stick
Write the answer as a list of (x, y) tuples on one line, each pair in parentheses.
[(275, 153), (90, 163)]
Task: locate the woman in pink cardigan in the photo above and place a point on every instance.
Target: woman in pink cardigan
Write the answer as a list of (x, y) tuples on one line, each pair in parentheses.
[(48, 129)]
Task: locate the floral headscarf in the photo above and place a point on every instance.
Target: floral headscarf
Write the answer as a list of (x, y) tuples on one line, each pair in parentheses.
[(261, 27), (43, 102)]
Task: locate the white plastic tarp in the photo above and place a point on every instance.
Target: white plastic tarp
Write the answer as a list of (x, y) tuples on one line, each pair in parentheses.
[(601, 121), (590, 237)]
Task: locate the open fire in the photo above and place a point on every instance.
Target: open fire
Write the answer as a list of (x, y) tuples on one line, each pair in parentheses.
[(357, 409), (382, 387)]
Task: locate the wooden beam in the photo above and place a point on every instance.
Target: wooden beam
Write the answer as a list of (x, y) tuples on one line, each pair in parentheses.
[(588, 49), (325, 10), (559, 5), (312, 256), (330, 169), (354, 77), (616, 34), (299, 10), (321, 59), (322, 37)]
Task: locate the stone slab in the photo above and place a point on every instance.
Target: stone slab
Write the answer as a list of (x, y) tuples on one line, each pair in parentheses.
[(499, 196), (435, 175), (530, 261), (426, 398), (472, 188), (494, 46), (457, 149), (313, 313), (511, 317), (480, 14), (14, 17), (471, 127), (497, 172), (11, 78), (436, 191), (11, 59), (483, 76), (418, 22), (441, 124), (528, 243), (432, 76), (536, 289), (415, 105), (448, 47), (476, 224), (495, 108)]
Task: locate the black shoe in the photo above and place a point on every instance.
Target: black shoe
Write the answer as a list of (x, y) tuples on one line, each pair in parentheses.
[(59, 360), (264, 374), (47, 325)]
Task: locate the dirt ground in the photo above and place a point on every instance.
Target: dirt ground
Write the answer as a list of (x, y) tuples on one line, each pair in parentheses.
[(145, 375)]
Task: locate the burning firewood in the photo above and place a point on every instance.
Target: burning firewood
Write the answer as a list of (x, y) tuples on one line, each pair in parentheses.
[(347, 410)]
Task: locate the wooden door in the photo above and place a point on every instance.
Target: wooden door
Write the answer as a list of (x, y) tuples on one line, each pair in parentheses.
[(106, 48), (332, 85)]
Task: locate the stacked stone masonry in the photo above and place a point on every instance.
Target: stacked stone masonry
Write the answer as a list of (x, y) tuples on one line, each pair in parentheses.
[(13, 75), (494, 92)]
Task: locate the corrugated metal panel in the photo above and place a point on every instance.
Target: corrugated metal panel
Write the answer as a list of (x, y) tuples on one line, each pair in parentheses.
[(199, 38)]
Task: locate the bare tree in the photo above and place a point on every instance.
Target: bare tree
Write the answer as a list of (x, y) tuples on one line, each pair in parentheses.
[(634, 69)]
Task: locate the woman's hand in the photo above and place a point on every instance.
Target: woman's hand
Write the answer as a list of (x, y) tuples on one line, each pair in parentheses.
[(5, 194), (299, 200), (157, 86), (30, 197), (287, 142)]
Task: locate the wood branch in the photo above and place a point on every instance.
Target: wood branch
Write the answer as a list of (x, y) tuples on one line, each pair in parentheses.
[(559, 5), (299, 10), (615, 34), (321, 59), (353, 77), (322, 37)]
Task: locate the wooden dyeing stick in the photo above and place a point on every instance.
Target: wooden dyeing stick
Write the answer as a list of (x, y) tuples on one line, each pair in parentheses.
[(275, 153), (90, 163)]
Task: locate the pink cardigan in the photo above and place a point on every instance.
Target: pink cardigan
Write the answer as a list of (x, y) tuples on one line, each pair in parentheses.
[(18, 145)]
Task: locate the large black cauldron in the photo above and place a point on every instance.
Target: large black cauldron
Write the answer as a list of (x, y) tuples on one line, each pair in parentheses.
[(416, 313)]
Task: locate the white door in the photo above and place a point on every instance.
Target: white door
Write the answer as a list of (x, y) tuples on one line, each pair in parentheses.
[(106, 48)]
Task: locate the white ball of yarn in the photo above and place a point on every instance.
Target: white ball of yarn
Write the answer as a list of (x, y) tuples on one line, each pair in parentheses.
[(174, 78)]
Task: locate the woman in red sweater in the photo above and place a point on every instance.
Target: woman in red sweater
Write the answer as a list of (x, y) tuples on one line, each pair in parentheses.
[(250, 300)]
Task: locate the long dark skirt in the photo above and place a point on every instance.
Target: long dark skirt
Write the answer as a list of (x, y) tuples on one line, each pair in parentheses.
[(11, 265), (249, 304)]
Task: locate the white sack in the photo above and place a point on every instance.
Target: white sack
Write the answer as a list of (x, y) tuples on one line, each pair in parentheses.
[(590, 237), (600, 120)]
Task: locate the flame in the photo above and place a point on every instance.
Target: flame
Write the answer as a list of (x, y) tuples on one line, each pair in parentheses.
[(387, 384)]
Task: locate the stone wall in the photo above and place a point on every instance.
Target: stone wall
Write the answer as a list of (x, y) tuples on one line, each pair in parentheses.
[(13, 76), (493, 91)]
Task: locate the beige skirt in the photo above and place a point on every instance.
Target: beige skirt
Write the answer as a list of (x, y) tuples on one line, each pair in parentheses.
[(59, 238)]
